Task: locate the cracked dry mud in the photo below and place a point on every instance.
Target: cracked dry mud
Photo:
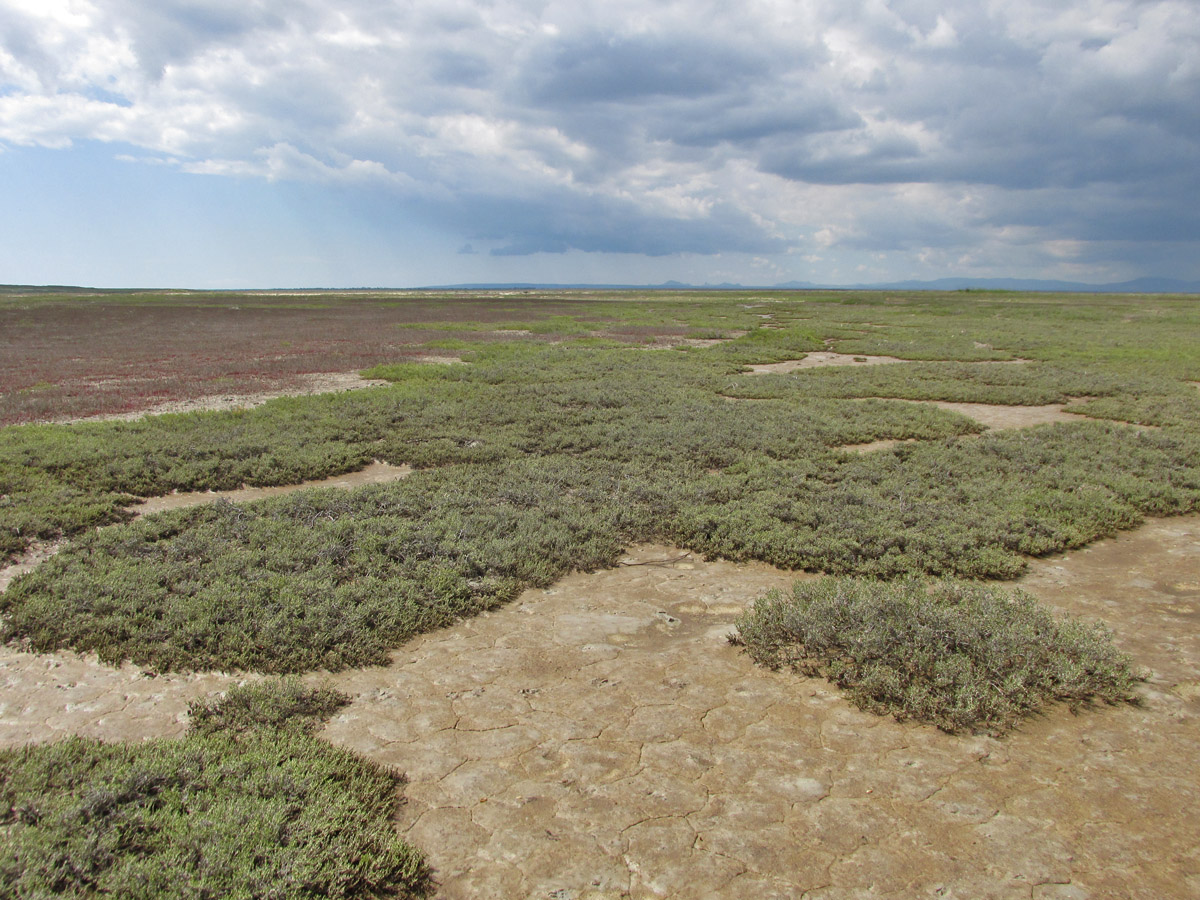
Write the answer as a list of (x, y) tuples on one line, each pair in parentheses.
[(601, 739)]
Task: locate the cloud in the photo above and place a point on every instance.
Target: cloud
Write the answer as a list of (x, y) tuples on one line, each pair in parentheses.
[(542, 126), (607, 68)]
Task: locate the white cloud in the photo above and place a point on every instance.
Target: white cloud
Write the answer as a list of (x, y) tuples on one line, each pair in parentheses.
[(803, 123)]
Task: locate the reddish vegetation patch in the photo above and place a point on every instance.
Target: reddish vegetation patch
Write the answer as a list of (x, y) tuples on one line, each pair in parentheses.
[(314, 383), (98, 356)]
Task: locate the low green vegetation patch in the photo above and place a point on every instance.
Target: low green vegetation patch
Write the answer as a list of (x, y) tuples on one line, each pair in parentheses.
[(247, 805), (324, 579), (539, 457), (285, 704), (962, 656), (327, 579), (1008, 383)]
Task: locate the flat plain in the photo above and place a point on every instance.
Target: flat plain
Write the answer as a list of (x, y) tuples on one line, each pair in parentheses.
[(567, 505)]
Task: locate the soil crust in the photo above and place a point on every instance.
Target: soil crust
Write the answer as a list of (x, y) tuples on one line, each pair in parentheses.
[(376, 473)]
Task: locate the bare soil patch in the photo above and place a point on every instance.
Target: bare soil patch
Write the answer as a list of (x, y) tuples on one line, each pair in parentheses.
[(34, 556), (995, 416), (376, 473), (872, 446), (823, 358), (314, 383), (1003, 417), (602, 739)]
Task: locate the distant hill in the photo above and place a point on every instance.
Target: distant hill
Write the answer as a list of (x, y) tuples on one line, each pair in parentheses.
[(1137, 286)]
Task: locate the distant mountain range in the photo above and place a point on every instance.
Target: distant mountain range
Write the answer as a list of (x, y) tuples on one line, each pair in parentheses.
[(1137, 286)]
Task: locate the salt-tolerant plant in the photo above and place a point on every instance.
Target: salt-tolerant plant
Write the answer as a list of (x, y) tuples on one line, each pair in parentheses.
[(249, 804), (540, 457), (959, 655)]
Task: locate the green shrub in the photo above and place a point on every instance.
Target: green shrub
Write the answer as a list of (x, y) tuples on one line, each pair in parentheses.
[(962, 656), (324, 579), (284, 705), (250, 811)]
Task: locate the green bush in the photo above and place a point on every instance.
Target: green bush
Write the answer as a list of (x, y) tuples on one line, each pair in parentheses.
[(247, 812), (324, 579), (964, 657), (283, 705)]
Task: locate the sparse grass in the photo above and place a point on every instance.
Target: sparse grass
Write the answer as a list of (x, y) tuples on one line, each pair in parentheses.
[(964, 657), (247, 805)]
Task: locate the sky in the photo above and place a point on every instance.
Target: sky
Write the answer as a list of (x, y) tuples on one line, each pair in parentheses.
[(313, 143)]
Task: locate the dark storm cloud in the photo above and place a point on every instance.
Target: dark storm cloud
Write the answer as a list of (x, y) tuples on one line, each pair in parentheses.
[(605, 68), (632, 126), (558, 223), (172, 32)]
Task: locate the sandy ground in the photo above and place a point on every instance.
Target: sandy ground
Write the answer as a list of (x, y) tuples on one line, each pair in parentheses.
[(316, 383), (602, 739), (995, 417), (1003, 417), (823, 358), (872, 446), (376, 473)]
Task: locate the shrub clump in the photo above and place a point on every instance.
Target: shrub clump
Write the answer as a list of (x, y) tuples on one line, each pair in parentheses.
[(249, 804), (282, 704), (964, 657)]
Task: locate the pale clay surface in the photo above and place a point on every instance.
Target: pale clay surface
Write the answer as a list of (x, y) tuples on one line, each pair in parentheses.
[(822, 358), (376, 473), (601, 739), (995, 417), (314, 383)]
